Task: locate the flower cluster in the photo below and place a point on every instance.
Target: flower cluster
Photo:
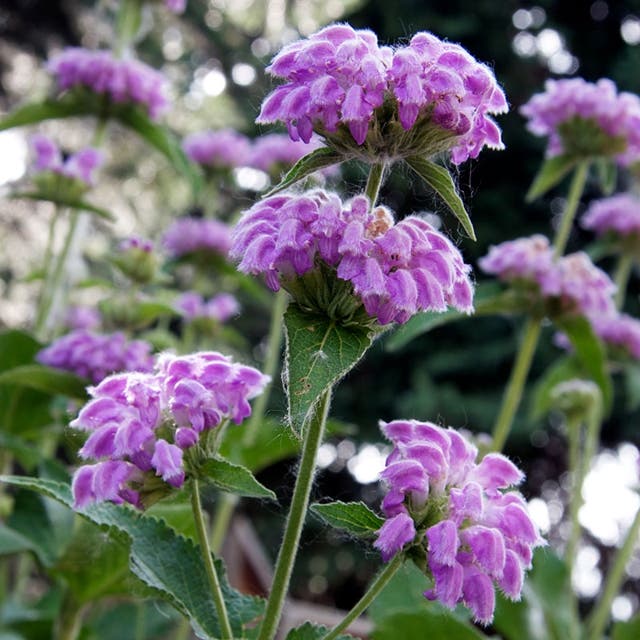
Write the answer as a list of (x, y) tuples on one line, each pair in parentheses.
[(222, 149), (618, 215), (571, 284), (475, 533), (584, 119), (176, 6), (192, 306), (78, 166), (80, 317), (95, 356), (340, 79), (395, 270), (188, 235), (141, 424), (122, 81), (275, 151)]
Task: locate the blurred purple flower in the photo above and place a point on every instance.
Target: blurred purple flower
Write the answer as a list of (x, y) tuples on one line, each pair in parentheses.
[(475, 533), (618, 214), (221, 307), (395, 270), (222, 149), (566, 106), (95, 356), (122, 81), (188, 235)]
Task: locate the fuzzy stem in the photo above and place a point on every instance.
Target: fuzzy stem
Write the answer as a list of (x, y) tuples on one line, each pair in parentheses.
[(56, 281), (575, 192), (214, 583), (515, 387), (46, 271), (621, 277), (295, 520), (371, 594), (270, 367), (598, 619), (374, 182), (127, 25), (69, 622)]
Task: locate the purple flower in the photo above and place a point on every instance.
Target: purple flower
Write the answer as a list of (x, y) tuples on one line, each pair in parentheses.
[(176, 6), (136, 243), (222, 149), (394, 270), (79, 166), (122, 81), (476, 534), (338, 80), (570, 284), (139, 424), (219, 308), (188, 235), (586, 119), (618, 215), (95, 356), (274, 152), (83, 318)]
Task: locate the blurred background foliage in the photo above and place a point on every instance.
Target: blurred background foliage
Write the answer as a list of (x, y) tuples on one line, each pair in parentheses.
[(215, 56)]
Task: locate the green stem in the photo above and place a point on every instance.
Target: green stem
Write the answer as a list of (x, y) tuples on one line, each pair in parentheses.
[(598, 619), (100, 133), (371, 594), (57, 278), (214, 583), (621, 277), (271, 362), (515, 387), (69, 622), (575, 192), (127, 25), (221, 519), (295, 521), (46, 273), (374, 182)]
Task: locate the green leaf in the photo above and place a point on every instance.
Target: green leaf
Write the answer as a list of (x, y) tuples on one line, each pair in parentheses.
[(590, 352), (425, 624), (65, 202), (234, 478), (354, 517), (47, 379), (542, 398), (552, 171), (309, 631), (159, 137), (314, 161), (28, 456), (544, 613), (439, 179), (169, 564), (489, 300), (12, 541), (607, 175), (629, 630), (319, 352), (47, 110)]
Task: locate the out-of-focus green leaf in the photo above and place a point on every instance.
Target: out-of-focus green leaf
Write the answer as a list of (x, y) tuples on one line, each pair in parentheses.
[(562, 370), (82, 205), (47, 379), (170, 565), (552, 171), (234, 478), (629, 630), (353, 517), (309, 631), (607, 175), (47, 110), (320, 158), (425, 624), (319, 352), (440, 180), (590, 352)]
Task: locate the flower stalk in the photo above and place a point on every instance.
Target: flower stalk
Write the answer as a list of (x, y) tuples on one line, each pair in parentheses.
[(575, 193), (212, 576), (621, 277), (374, 182), (371, 594), (295, 521)]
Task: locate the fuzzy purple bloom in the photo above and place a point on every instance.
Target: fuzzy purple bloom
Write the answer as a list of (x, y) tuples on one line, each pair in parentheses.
[(396, 270), (273, 152), (122, 81), (571, 284), (222, 149), (140, 424), (95, 356), (339, 78), (136, 243), (83, 318), (476, 534), (188, 235), (619, 215), (176, 6), (81, 165), (220, 308), (567, 106)]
